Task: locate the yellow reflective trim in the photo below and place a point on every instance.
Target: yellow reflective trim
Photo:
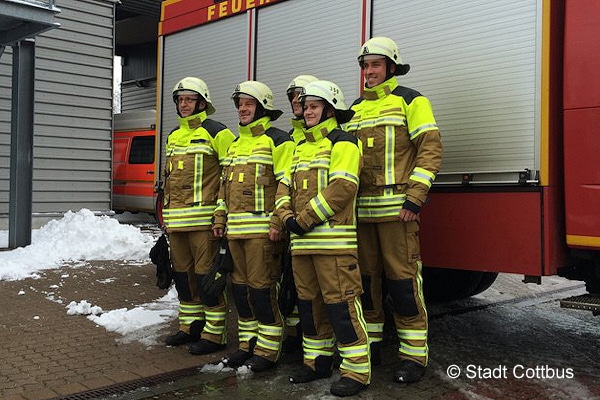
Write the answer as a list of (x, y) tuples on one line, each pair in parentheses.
[(588, 241)]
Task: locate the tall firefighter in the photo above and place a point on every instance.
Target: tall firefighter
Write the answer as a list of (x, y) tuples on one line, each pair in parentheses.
[(402, 155)]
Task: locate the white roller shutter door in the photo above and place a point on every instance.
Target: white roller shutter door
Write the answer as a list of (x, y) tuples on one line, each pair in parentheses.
[(478, 63), (215, 53), (320, 38)]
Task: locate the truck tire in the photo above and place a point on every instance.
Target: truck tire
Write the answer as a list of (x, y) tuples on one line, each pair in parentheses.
[(487, 280), (442, 284), (592, 277)]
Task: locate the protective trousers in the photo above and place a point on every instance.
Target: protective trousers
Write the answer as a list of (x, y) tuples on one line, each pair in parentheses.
[(392, 250), (255, 278), (191, 256), (329, 289)]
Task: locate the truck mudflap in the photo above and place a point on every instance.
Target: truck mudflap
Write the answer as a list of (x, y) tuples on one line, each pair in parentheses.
[(588, 302)]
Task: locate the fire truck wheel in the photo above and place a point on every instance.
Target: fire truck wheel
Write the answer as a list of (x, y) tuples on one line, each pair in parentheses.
[(442, 284), (592, 277), (487, 280)]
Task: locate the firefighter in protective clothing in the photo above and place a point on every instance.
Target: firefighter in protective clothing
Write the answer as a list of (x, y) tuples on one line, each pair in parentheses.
[(402, 155), (293, 340), (316, 201), (194, 153), (255, 163)]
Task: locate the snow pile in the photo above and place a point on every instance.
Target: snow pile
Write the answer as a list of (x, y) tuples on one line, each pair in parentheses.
[(76, 236)]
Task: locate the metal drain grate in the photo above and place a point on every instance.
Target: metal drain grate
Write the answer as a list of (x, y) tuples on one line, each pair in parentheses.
[(124, 387)]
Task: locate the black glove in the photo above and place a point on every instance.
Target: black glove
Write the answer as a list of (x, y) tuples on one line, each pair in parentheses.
[(215, 281), (292, 225), (288, 297), (159, 254)]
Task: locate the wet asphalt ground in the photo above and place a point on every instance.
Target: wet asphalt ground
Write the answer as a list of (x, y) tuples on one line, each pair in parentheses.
[(510, 342)]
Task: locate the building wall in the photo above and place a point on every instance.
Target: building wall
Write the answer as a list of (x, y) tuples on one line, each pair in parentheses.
[(73, 111)]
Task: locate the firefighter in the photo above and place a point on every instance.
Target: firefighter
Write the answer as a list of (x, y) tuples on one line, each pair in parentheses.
[(402, 155), (288, 296), (194, 153), (255, 163), (316, 202), (293, 93)]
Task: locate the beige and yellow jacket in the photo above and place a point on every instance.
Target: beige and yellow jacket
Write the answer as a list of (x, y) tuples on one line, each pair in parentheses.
[(402, 150), (192, 173), (255, 163), (320, 189)]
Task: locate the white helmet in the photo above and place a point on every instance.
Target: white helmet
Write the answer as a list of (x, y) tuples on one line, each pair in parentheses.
[(197, 86), (330, 93), (298, 83), (261, 93), (383, 46)]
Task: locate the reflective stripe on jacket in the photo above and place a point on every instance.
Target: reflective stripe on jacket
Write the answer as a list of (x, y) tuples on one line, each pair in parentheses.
[(194, 152), (402, 149)]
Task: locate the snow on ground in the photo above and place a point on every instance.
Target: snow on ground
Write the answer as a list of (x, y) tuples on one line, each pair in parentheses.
[(80, 236)]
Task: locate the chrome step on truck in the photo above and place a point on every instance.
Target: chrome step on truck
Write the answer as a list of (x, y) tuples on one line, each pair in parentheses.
[(583, 302)]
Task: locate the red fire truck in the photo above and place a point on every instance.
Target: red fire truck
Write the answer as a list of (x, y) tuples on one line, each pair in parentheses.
[(515, 87)]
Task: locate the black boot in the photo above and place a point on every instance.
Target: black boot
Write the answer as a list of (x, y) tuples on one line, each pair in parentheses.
[(238, 358), (204, 346), (347, 387), (259, 364), (305, 374), (409, 371), (177, 339)]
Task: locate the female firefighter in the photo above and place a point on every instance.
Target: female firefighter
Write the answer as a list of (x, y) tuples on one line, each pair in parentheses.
[(288, 296), (316, 202), (255, 163)]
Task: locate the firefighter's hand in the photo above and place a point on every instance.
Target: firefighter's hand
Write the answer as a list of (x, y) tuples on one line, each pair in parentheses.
[(407, 215), (292, 225), (274, 234), (218, 232)]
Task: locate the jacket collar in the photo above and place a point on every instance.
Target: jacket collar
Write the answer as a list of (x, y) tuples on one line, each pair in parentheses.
[(255, 128), (382, 90), (193, 121), (321, 130)]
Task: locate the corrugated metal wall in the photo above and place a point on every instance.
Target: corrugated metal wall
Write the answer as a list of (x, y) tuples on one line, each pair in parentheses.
[(138, 96), (73, 111)]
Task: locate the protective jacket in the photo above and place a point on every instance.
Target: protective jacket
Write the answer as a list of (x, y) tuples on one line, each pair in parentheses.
[(320, 191), (194, 153), (255, 163), (402, 150)]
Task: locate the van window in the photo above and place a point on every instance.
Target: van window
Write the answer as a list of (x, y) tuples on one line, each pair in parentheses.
[(142, 150)]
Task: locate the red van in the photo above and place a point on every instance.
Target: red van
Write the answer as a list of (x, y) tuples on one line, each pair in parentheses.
[(134, 162)]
